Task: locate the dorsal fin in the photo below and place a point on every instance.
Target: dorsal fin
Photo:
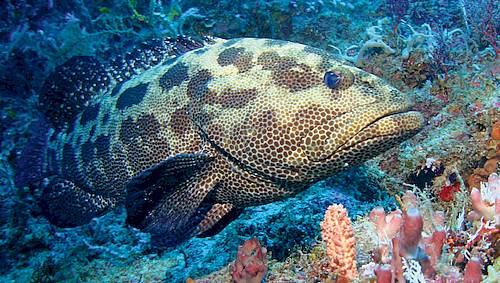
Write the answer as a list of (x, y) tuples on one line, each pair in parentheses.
[(73, 85), (152, 53)]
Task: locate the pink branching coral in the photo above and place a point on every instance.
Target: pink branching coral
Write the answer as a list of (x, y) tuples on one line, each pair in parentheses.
[(403, 230), (383, 273), (419, 236), (472, 272), (387, 226), (411, 232), (251, 263), (337, 233)]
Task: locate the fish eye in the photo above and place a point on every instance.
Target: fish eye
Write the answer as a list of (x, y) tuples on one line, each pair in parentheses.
[(332, 80)]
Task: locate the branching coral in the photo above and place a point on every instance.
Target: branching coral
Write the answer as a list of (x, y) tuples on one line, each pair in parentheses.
[(166, 22), (481, 18), (409, 40), (375, 42), (412, 271), (416, 39), (424, 248)]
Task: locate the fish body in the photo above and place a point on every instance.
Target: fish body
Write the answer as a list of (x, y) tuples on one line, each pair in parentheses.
[(187, 144)]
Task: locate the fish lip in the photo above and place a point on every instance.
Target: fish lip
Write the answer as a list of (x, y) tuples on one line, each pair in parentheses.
[(405, 110), (401, 112)]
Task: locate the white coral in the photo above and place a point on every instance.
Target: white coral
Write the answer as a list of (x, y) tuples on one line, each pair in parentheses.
[(490, 191), (412, 271)]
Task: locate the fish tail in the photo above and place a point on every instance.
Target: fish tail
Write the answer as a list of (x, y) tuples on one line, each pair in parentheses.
[(29, 163)]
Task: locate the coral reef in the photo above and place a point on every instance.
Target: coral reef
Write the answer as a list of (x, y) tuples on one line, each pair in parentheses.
[(443, 54)]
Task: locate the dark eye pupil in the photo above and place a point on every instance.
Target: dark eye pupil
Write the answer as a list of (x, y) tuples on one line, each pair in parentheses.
[(332, 80)]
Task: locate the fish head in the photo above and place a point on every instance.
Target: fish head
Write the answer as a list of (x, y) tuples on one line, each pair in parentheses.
[(348, 117), (297, 113), (352, 117)]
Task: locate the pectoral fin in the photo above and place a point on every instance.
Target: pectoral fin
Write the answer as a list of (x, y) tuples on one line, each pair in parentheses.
[(170, 199), (217, 218)]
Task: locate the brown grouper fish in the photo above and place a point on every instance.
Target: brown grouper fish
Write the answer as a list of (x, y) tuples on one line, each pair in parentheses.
[(187, 133)]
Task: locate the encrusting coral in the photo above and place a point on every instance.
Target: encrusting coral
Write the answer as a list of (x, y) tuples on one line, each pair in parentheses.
[(492, 158), (251, 263)]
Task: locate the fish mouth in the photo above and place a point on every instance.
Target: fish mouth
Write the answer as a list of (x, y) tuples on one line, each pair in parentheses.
[(391, 128), (364, 132)]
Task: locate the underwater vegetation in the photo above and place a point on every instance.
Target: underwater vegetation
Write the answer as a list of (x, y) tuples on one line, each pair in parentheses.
[(426, 210)]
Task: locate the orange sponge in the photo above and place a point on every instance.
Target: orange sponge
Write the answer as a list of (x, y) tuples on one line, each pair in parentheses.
[(337, 233)]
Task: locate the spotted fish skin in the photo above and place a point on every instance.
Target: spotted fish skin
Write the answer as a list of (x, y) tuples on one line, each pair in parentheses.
[(258, 113)]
